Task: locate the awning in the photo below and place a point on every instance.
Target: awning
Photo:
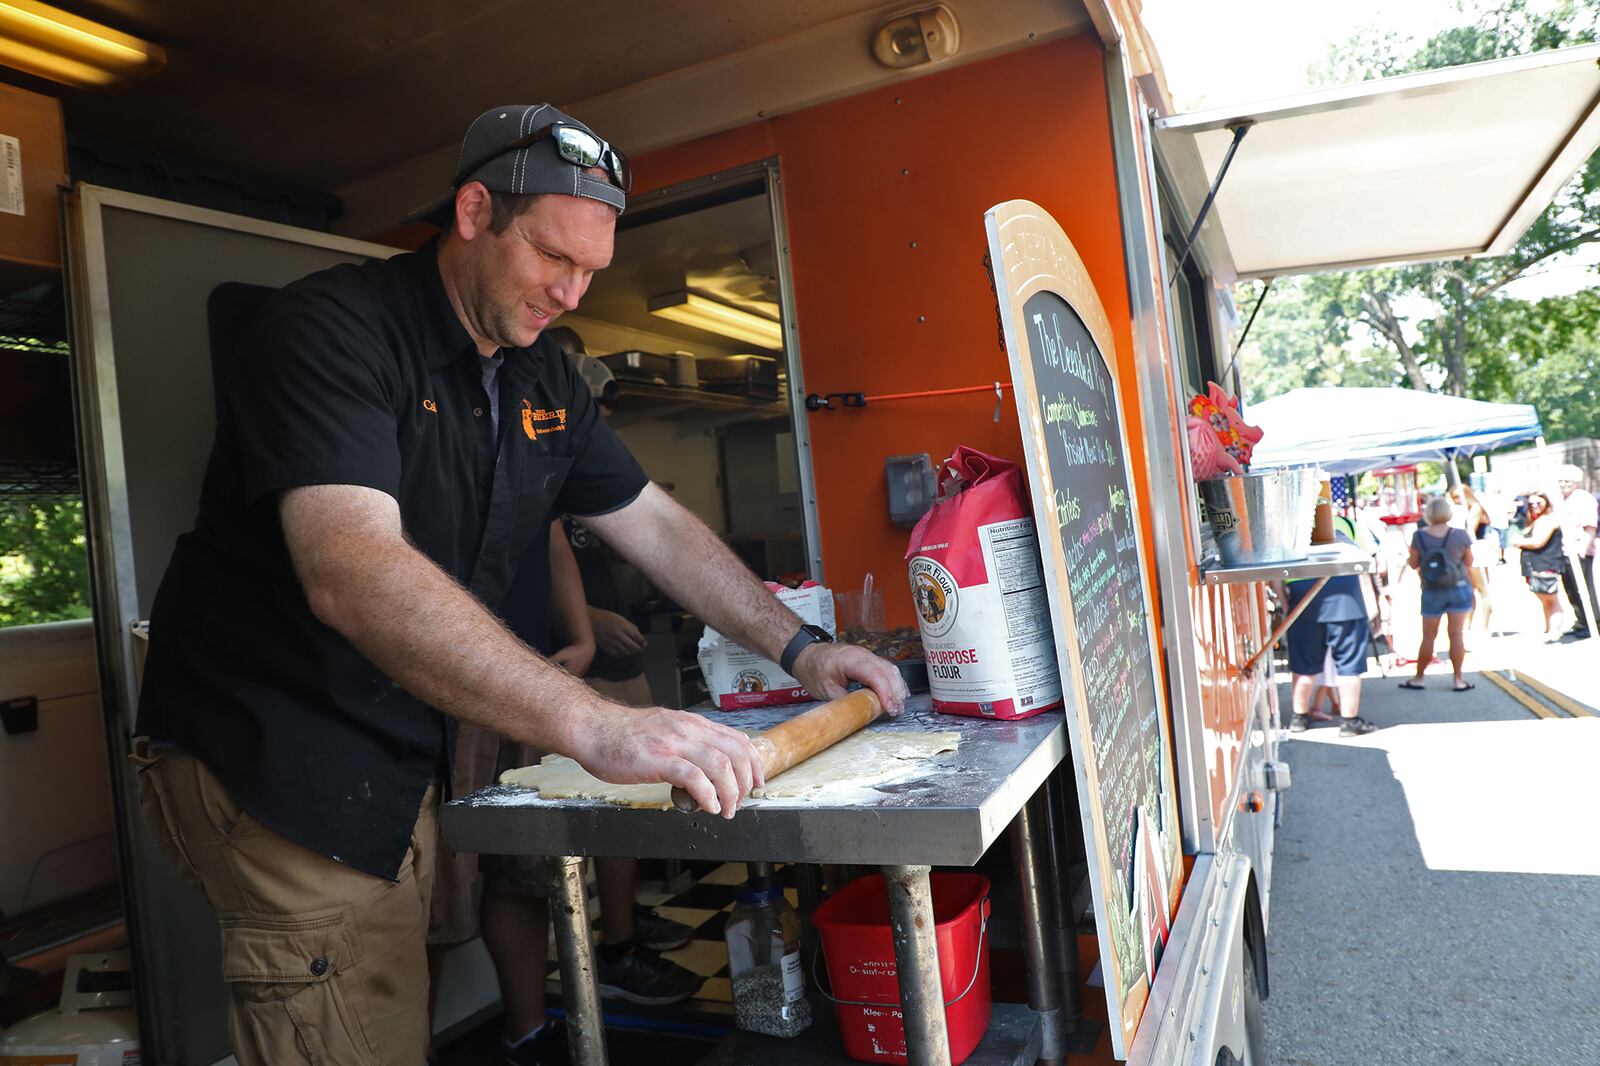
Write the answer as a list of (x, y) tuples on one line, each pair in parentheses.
[(1347, 430), (1438, 165)]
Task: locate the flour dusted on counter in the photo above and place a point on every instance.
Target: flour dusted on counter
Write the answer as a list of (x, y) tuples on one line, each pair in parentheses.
[(976, 581), (739, 678)]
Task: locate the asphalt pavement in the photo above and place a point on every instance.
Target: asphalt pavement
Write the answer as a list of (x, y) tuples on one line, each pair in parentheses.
[(1436, 890)]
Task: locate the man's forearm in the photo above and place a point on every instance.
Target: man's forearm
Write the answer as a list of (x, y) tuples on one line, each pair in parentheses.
[(427, 633), (688, 562)]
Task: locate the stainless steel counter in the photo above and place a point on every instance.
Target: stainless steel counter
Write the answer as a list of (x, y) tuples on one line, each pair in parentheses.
[(946, 812), (946, 815)]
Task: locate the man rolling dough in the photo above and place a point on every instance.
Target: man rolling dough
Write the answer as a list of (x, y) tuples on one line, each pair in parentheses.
[(390, 437)]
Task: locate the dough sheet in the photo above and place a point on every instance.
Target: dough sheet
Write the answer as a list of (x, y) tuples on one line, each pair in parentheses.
[(863, 760)]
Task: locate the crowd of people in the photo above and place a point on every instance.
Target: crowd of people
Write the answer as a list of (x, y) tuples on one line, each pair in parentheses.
[(1454, 548)]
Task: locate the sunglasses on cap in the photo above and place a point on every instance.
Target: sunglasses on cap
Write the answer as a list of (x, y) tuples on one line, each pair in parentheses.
[(574, 144)]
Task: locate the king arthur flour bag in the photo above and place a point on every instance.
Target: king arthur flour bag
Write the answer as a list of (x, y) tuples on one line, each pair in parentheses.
[(973, 563)]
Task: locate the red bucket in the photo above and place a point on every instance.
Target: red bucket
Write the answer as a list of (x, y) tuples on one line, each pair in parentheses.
[(859, 948)]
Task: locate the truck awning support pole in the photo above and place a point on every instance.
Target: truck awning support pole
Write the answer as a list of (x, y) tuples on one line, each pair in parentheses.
[(1205, 208)]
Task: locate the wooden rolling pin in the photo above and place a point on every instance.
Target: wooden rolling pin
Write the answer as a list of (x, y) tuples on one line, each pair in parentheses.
[(796, 740)]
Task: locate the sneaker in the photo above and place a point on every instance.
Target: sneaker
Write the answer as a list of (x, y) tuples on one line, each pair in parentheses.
[(1300, 723), (1356, 727), (644, 977), (547, 1047), (659, 933)]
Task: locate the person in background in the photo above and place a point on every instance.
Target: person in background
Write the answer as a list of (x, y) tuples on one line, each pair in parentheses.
[(1485, 549), (513, 911), (1334, 623), (1441, 553), (1542, 557), (1579, 516)]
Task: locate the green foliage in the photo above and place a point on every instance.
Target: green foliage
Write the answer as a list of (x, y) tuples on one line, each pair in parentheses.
[(1471, 339), (44, 563)]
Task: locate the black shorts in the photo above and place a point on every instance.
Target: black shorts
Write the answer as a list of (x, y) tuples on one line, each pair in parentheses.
[(1309, 642)]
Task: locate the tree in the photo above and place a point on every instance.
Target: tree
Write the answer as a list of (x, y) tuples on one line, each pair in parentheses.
[(1460, 347), (44, 564)]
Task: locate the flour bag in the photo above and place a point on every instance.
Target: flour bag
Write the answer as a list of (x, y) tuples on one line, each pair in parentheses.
[(976, 581)]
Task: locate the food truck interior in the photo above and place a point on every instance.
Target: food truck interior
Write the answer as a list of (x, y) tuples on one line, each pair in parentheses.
[(820, 178)]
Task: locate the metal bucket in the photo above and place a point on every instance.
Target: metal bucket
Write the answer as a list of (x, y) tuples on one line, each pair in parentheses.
[(1264, 517)]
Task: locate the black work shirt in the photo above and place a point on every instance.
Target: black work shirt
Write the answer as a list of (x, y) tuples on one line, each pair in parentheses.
[(358, 375)]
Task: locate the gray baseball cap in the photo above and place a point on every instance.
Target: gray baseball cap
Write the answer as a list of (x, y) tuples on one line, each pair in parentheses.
[(532, 148)]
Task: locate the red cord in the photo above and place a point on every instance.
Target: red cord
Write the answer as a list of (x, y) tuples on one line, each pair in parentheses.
[(938, 392)]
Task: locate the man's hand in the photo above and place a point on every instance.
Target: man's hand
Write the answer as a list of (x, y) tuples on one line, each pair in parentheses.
[(714, 764), (614, 634), (576, 658), (827, 670)]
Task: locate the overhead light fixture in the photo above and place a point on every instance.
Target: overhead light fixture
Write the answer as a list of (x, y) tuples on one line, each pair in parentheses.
[(714, 316), (50, 43), (917, 37)]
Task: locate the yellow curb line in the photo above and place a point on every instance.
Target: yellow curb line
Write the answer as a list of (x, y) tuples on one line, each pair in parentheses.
[(1521, 697), (1560, 699)]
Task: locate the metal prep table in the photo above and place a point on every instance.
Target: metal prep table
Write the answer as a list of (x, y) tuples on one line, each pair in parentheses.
[(947, 815)]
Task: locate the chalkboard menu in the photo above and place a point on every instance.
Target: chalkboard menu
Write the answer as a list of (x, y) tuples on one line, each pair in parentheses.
[(1087, 514)]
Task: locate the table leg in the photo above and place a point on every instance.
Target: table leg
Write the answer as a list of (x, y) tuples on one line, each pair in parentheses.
[(916, 956), (580, 994), (1038, 933), (1055, 839)]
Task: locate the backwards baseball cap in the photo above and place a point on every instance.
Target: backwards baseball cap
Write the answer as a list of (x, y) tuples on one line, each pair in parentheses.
[(533, 148)]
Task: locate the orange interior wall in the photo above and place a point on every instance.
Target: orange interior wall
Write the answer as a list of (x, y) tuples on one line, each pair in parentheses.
[(885, 194)]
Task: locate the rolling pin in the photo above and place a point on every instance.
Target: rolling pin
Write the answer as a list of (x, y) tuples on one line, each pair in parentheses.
[(796, 740)]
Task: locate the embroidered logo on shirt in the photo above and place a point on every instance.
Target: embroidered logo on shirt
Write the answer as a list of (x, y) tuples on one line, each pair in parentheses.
[(429, 405), (536, 421)]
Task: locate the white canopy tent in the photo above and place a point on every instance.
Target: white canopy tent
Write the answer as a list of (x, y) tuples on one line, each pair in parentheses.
[(1346, 431)]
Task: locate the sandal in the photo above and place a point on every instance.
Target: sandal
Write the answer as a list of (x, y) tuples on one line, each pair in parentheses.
[(1466, 686), (1414, 685)]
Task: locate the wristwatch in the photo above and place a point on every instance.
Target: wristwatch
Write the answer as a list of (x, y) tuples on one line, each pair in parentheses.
[(808, 635)]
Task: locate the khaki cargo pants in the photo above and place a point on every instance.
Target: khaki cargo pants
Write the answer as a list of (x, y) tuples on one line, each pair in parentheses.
[(325, 965)]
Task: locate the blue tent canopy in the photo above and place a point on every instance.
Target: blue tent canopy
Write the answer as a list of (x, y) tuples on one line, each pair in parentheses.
[(1346, 431)]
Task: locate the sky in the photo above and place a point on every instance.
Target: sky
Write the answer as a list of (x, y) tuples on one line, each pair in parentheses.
[(1218, 52), (1232, 51)]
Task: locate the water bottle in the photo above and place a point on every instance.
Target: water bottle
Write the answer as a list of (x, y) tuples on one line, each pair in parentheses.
[(763, 937)]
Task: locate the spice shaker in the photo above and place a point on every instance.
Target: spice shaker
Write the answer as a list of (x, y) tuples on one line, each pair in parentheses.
[(763, 938)]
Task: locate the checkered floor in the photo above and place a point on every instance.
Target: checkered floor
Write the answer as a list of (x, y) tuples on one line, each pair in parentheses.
[(704, 907)]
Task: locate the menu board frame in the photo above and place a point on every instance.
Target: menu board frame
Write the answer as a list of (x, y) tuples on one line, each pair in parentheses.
[(1031, 255)]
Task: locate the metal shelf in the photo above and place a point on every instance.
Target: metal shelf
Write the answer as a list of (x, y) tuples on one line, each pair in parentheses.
[(637, 401), (1324, 560)]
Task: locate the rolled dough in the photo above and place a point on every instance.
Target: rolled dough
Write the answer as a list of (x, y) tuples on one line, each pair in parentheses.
[(865, 759)]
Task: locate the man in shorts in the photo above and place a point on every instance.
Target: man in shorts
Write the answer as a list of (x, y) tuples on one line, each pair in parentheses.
[(1335, 622), (1579, 517)]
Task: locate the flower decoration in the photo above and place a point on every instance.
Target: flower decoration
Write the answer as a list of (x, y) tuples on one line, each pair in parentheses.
[(1220, 441)]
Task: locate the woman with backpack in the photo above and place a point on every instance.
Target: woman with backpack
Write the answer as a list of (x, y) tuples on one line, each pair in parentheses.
[(1441, 554), (1542, 560)]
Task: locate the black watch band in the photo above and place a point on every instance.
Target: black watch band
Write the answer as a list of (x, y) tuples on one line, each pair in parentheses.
[(808, 635)]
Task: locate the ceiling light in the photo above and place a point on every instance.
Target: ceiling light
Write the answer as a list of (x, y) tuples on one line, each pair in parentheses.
[(917, 37), (713, 316), (49, 43)]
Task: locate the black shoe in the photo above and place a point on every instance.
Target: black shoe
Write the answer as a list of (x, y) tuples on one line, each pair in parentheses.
[(657, 932), (1300, 723), (547, 1047), (1356, 727), (1576, 634), (641, 976)]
